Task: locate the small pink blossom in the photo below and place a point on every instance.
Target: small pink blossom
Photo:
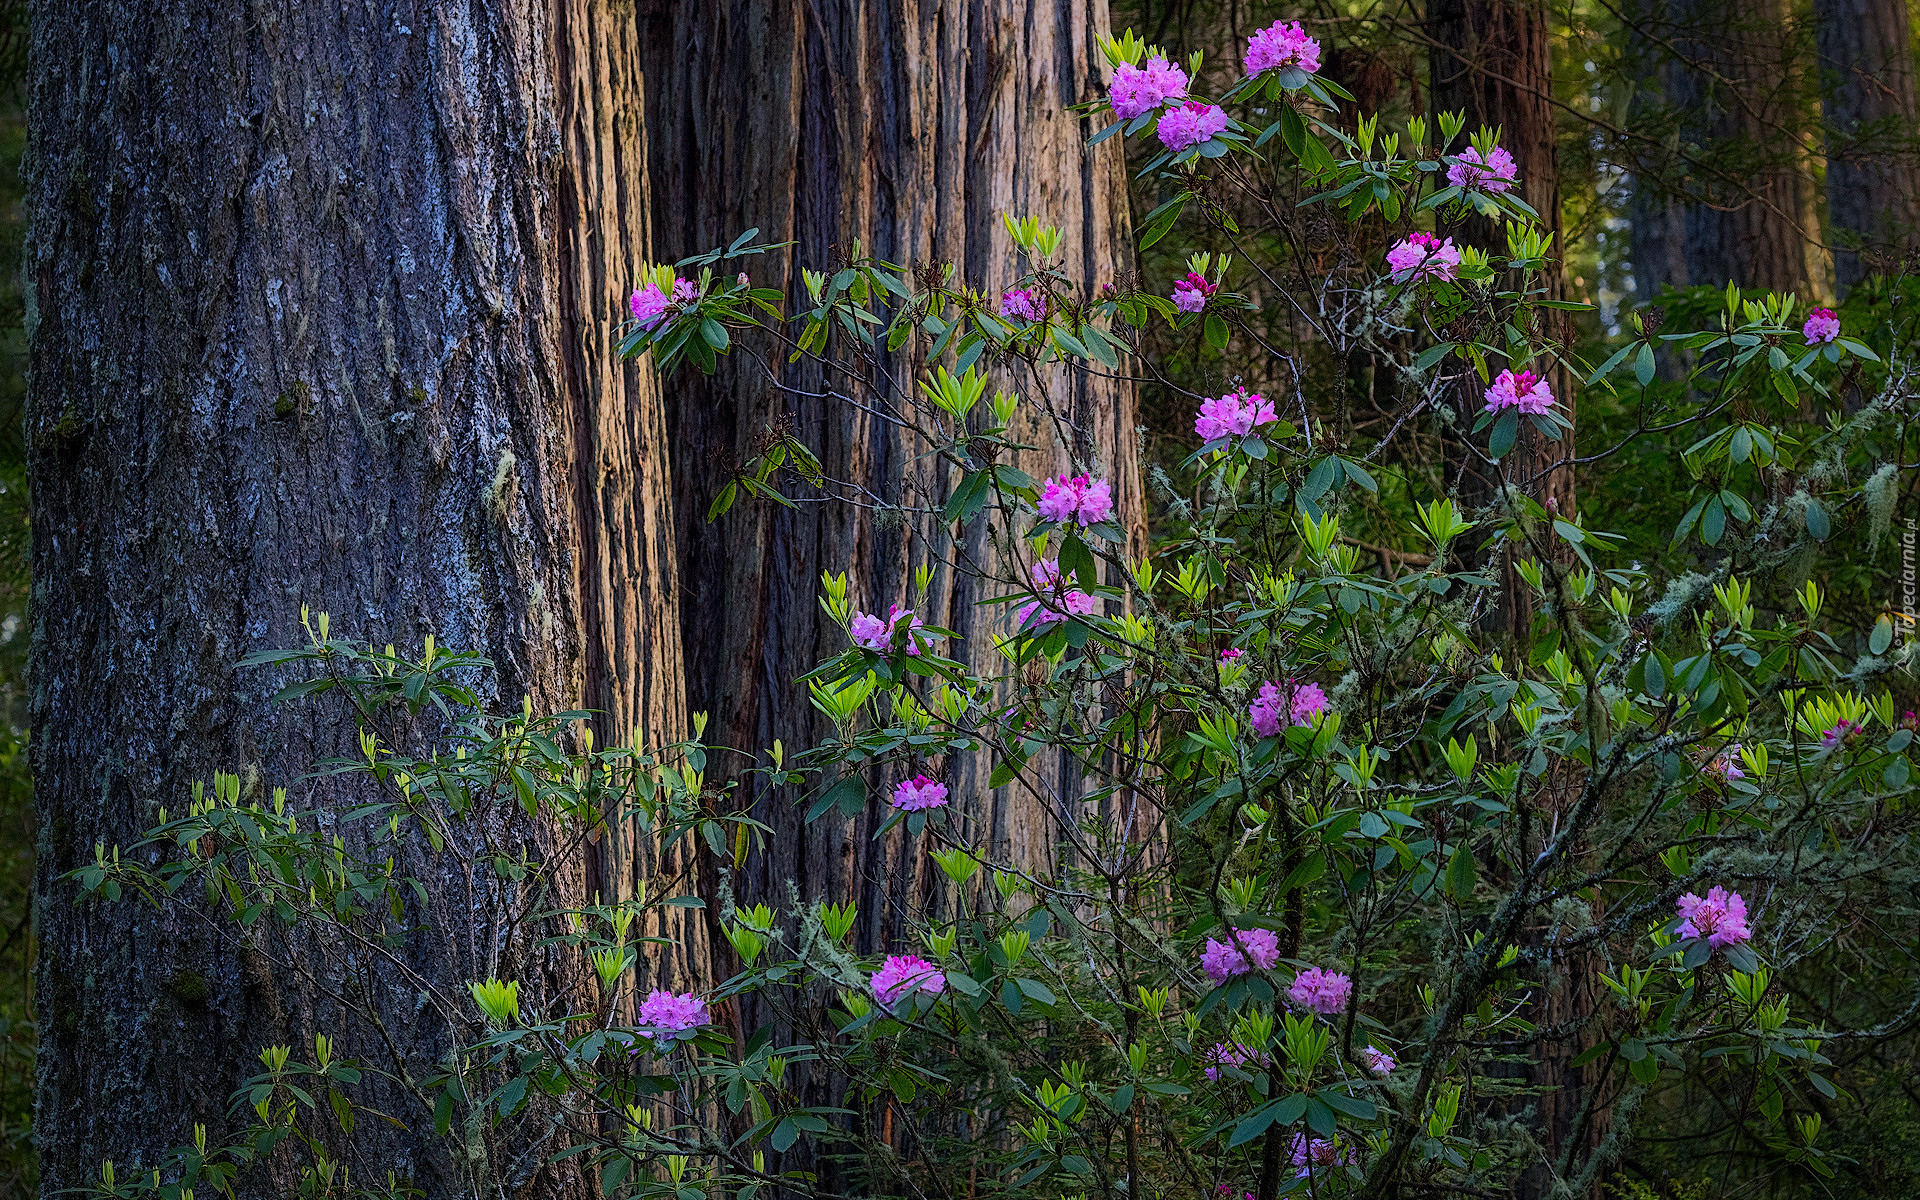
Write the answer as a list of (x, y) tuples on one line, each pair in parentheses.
[(1138, 90), (1282, 44), (1223, 960), (1842, 731), (649, 305), (1058, 600), (904, 973), (1301, 702), (1325, 992), (1823, 325), (1423, 256), (1191, 294), (1721, 918), (1526, 391), (1237, 413), (1190, 125), (1309, 1152), (1377, 1061), (665, 1014), (1029, 304), (918, 794), (877, 633), (1076, 498), (1237, 1055), (1494, 173), (684, 290), (1725, 766), (1230, 654)]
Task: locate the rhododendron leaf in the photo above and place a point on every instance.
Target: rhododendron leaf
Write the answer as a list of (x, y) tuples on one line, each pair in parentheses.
[(1696, 954), (1070, 344), (1106, 133), (1216, 331), (1432, 355), (1461, 873), (1506, 430), (1353, 1106), (1817, 524), (1742, 958), (1713, 521), (1010, 998), (1853, 347), (1320, 1118), (1643, 365)]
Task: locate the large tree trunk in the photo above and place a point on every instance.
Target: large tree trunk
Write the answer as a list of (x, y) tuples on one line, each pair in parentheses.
[(1873, 182), (321, 314), (1731, 87), (1493, 61), (910, 127)]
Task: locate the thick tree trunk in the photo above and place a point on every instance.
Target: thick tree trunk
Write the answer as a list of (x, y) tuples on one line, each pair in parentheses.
[(1493, 61), (909, 127), (321, 314), (1750, 216), (1873, 182)]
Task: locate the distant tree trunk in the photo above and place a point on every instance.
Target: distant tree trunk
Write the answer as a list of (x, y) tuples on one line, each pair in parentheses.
[(1873, 183), (322, 305), (1751, 214), (911, 128), (1493, 61)]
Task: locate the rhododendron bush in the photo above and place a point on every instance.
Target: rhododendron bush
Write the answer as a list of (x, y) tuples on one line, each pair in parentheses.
[(1336, 839)]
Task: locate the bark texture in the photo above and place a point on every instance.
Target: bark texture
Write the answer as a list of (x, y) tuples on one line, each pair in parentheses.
[(321, 301), (911, 127), (1493, 61), (1873, 182), (1735, 201)]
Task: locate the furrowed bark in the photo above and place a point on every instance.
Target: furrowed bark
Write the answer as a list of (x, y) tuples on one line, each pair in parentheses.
[(320, 315), (1873, 182)]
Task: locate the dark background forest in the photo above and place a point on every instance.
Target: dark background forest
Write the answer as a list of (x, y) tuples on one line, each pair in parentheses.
[(1682, 143)]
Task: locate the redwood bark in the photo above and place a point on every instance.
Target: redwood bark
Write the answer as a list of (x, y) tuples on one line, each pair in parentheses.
[(321, 302), (915, 128), (1873, 183), (911, 127)]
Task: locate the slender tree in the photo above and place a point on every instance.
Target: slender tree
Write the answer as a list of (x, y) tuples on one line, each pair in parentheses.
[(323, 306), (1873, 184)]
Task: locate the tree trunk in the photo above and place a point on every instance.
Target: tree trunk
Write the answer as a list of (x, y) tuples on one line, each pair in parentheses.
[(1873, 184), (913, 128), (1493, 61), (1735, 87), (321, 305)]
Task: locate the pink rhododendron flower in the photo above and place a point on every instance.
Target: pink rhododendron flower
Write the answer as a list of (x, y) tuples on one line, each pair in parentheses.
[(1142, 89), (918, 794), (1841, 731), (1236, 413), (649, 304), (1237, 1055), (1309, 1152), (1223, 960), (1721, 918), (1725, 766), (1526, 391), (1191, 294), (1299, 702), (1320, 991), (1823, 325), (1192, 124), (904, 973), (1026, 303), (1494, 173), (684, 290), (1065, 499), (877, 633), (1377, 1061), (1282, 44), (1423, 256), (1057, 600), (1229, 654), (665, 1014)]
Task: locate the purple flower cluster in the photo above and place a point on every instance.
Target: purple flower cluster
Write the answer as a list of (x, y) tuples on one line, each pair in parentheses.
[(1323, 992), (1192, 124), (1191, 294), (1299, 702), (1423, 256), (1029, 304), (1282, 44), (665, 1014), (1238, 413), (904, 973), (877, 633), (1223, 960), (1721, 917), (918, 794), (1494, 173), (1080, 498), (1057, 601), (1139, 90), (1525, 391)]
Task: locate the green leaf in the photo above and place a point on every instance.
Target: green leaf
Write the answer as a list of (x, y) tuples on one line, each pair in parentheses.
[(1461, 872), (1506, 430), (1432, 355), (1216, 330), (1882, 636), (1817, 523)]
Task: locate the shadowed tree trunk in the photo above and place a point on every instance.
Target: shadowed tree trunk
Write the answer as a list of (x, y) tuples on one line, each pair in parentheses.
[(1873, 184), (1493, 61), (321, 315), (910, 127)]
